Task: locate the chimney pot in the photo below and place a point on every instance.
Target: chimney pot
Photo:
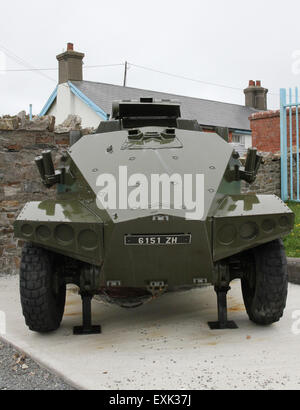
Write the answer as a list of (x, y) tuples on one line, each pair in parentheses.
[(70, 47), (251, 83), (258, 83)]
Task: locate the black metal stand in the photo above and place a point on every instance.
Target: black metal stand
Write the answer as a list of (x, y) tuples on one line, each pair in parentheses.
[(86, 328), (222, 322)]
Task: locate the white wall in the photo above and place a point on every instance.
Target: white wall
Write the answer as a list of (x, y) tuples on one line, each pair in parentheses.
[(248, 141), (67, 103)]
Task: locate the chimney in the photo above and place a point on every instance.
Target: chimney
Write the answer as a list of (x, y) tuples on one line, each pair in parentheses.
[(256, 96), (70, 65)]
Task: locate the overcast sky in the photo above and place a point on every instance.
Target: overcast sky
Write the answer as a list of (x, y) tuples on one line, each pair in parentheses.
[(216, 41)]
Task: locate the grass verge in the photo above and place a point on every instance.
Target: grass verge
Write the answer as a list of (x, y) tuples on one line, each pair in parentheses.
[(292, 242)]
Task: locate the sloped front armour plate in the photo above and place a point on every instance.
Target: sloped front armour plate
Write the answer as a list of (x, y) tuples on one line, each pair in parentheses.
[(201, 153)]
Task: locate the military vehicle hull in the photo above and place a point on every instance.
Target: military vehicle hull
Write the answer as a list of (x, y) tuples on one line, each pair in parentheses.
[(130, 254)]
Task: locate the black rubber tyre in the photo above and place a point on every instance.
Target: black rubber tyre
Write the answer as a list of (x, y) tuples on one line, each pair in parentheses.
[(43, 308), (265, 288)]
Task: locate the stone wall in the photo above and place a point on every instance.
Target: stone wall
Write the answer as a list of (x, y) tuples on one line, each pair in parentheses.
[(268, 180), (20, 183)]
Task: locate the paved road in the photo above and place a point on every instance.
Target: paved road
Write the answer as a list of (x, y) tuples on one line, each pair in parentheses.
[(19, 372), (165, 344)]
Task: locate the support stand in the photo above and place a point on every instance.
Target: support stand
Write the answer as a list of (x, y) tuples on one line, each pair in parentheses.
[(222, 322), (86, 328)]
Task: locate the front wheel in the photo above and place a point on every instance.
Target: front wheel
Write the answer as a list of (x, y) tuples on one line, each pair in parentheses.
[(265, 285), (42, 296)]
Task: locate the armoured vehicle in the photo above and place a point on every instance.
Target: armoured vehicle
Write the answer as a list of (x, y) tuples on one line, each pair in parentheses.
[(117, 249)]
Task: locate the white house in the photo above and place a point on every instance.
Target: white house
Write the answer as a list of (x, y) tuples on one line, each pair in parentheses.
[(92, 101)]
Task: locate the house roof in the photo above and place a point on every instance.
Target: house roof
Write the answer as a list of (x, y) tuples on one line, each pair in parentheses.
[(206, 112)]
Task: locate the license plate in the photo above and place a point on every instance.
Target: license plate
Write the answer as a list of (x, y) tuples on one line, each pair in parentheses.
[(154, 240)]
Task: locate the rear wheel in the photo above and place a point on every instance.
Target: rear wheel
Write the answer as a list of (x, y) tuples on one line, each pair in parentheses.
[(265, 285), (42, 295)]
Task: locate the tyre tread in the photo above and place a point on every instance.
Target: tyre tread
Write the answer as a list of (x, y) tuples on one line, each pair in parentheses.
[(40, 312), (270, 297)]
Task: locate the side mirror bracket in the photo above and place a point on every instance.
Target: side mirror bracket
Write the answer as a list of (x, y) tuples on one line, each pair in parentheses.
[(247, 173), (45, 166)]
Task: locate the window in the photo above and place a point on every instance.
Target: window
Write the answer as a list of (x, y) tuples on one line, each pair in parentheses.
[(238, 139)]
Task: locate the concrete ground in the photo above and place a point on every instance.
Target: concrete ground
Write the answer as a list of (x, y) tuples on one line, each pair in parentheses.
[(165, 344)]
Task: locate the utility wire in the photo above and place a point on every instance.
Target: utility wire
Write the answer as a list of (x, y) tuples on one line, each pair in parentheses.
[(104, 65), (24, 63), (40, 71), (183, 77), (56, 69), (189, 79), (23, 70)]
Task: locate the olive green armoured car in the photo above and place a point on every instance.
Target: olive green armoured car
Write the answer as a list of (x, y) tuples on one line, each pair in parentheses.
[(130, 254)]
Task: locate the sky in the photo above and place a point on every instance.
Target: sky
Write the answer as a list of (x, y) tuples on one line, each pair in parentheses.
[(221, 42)]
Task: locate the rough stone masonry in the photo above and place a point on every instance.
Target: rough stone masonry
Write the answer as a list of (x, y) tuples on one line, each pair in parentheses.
[(20, 181)]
